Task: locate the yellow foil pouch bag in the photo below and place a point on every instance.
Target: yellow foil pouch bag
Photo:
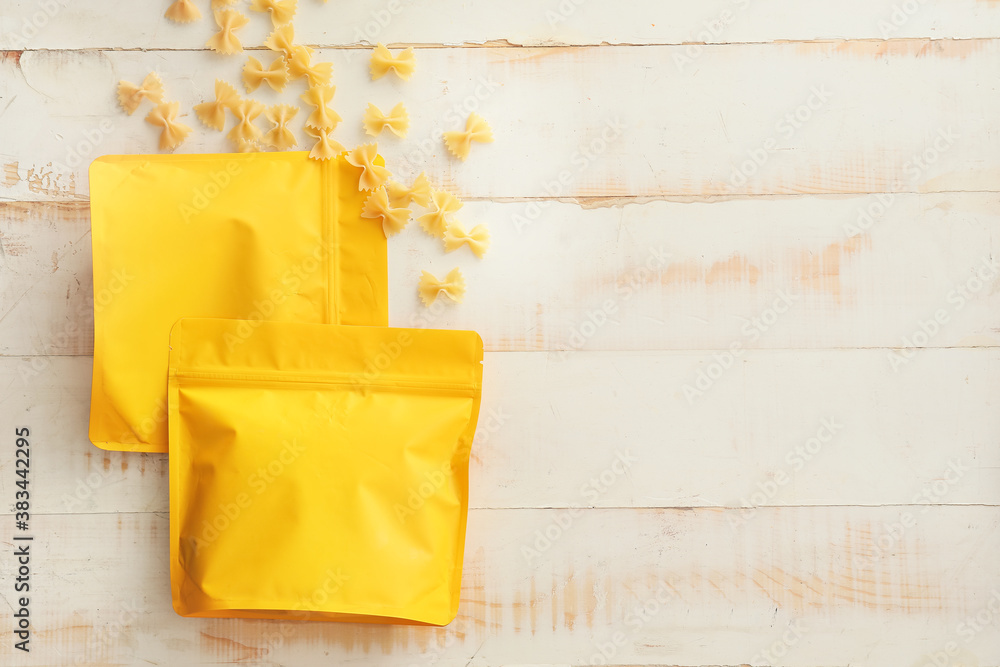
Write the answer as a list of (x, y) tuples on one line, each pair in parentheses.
[(255, 236), (320, 472)]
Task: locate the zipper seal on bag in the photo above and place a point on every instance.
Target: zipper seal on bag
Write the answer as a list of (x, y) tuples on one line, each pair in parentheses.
[(339, 379), (331, 237)]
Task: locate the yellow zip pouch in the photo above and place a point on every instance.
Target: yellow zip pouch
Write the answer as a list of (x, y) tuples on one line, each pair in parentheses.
[(255, 236), (320, 472)]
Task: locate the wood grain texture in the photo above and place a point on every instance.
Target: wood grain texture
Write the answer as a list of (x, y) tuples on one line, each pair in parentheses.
[(860, 434), (815, 487), (730, 591), (656, 275), (836, 117), (60, 24)]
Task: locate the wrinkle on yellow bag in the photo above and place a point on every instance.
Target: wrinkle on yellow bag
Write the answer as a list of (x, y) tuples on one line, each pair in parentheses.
[(256, 236), (320, 472)]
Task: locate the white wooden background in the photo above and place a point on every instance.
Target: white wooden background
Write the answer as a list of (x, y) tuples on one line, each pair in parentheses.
[(602, 301)]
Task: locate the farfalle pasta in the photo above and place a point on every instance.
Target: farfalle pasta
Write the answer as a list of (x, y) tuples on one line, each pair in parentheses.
[(372, 175), (174, 132), (275, 75), (279, 136), (443, 204), (378, 207), (225, 41), (323, 117), (453, 287), (183, 11), (282, 11), (419, 192), (220, 4), (326, 147), (476, 129), (130, 96), (244, 146), (281, 39), (213, 114), (246, 111), (477, 238), (396, 121), (383, 62), (300, 65)]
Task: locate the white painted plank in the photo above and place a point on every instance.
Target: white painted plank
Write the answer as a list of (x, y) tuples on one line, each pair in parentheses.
[(726, 124), (100, 592), (659, 275), (61, 24), (609, 429)]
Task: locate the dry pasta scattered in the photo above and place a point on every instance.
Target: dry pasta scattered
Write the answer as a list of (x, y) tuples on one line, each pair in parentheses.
[(130, 96), (477, 238), (275, 75), (443, 204), (453, 287), (280, 136), (378, 207), (183, 11), (419, 192), (213, 114), (396, 121), (372, 175), (164, 115), (460, 142), (225, 41), (383, 62)]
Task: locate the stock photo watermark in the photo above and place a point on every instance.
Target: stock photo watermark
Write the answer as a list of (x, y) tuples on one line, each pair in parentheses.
[(891, 534), (636, 618), (926, 329), (796, 459), (751, 331), (913, 168), (580, 161), (35, 23), (787, 127), (590, 490), (711, 30), (625, 288)]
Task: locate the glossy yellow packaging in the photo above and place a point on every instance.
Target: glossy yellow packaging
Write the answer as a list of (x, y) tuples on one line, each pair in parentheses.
[(255, 236), (320, 472)]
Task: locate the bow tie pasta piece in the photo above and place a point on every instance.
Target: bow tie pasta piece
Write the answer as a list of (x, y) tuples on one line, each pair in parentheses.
[(476, 129), (246, 111), (254, 74), (453, 287), (281, 40), (225, 41), (183, 11), (384, 62), (279, 136), (372, 175), (323, 117), (213, 114), (220, 4), (478, 238), (326, 147), (397, 121), (377, 207), (282, 11), (131, 95), (436, 221), (244, 146), (165, 115), (300, 64), (419, 192)]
